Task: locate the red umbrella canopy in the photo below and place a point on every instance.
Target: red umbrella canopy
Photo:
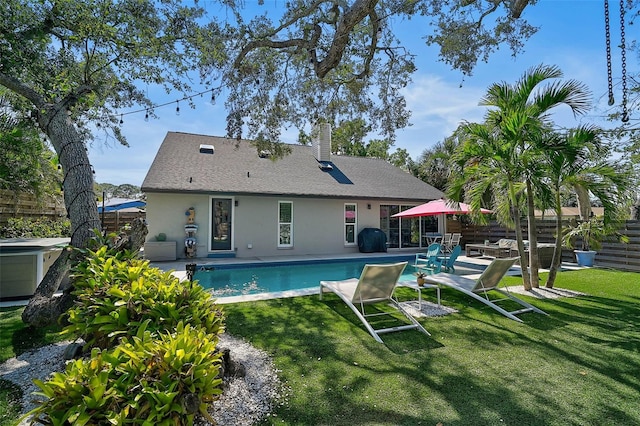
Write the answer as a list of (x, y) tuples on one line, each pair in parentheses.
[(438, 207)]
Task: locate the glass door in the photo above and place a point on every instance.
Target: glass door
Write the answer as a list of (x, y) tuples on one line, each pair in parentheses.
[(221, 224), (390, 225)]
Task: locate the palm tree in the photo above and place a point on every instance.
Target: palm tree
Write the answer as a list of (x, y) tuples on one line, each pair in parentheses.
[(575, 160), (521, 115), (488, 169)]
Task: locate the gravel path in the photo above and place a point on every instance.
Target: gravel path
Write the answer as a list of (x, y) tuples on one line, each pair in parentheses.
[(245, 400)]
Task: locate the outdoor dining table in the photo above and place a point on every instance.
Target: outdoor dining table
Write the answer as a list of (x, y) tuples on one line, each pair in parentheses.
[(432, 237)]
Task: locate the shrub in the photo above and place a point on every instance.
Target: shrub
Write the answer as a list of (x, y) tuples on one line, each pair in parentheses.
[(20, 227), (116, 295), (146, 366), (144, 380)]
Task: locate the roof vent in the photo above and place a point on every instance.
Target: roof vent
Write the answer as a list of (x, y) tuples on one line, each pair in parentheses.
[(206, 149), (325, 166)]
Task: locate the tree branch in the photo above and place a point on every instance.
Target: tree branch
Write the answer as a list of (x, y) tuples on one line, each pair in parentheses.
[(517, 6), (22, 89), (375, 27), (352, 17), (257, 44), (359, 10)]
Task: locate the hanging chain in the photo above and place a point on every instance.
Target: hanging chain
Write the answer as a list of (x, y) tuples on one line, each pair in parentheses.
[(623, 47), (608, 40)]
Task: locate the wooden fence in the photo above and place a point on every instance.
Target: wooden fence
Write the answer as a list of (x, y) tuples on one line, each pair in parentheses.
[(29, 206), (115, 221), (622, 256)]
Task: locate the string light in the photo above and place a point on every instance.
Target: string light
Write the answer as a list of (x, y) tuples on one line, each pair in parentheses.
[(147, 110)]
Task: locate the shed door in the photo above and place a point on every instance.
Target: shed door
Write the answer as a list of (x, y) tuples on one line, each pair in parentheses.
[(221, 224)]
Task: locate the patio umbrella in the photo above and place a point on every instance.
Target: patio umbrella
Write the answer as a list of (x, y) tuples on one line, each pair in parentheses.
[(437, 208)]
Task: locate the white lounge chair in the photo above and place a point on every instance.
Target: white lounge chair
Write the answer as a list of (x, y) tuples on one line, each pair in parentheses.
[(375, 285), (479, 288)]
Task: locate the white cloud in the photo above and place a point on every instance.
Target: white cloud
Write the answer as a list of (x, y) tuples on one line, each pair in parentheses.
[(438, 107)]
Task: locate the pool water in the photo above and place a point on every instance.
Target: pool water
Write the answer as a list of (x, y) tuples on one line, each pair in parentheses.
[(239, 280)]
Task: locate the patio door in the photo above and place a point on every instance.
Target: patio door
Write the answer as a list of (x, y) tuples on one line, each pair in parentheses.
[(221, 228), (403, 233)]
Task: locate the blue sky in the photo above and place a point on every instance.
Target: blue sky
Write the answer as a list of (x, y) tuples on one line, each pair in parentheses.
[(571, 36)]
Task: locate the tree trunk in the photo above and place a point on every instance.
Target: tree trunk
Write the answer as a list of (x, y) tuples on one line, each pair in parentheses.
[(523, 259), (138, 235), (584, 203), (557, 251), (534, 261), (80, 201), (43, 308)]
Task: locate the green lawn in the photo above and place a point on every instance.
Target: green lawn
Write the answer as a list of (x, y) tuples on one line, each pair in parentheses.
[(578, 366)]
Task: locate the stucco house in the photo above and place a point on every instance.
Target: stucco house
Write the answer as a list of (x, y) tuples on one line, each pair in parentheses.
[(218, 197)]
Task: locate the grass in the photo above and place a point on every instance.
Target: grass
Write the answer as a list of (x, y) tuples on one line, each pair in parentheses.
[(578, 366)]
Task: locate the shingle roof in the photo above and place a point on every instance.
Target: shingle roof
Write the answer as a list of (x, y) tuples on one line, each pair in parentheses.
[(236, 168)]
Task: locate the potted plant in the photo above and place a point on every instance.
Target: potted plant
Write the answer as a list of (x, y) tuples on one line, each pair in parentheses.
[(420, 277), (591, 233)]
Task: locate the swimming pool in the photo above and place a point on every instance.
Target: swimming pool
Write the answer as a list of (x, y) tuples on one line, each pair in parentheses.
[(249, 279)]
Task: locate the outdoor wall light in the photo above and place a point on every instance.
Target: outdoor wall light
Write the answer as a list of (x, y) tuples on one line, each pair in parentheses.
[(368, 206), (236, 203)]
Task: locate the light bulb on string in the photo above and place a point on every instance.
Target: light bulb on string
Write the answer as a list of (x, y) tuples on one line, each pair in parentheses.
[(177, 107), (121, 120), (146, 116)]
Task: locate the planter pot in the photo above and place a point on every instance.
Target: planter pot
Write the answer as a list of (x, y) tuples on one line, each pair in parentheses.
[(420, 280), (585, 258)]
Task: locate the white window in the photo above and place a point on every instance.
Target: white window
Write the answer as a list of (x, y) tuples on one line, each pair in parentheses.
[(350, 223), (285, 224)]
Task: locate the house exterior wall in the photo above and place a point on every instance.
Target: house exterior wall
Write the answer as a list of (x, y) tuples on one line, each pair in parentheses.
[(166, 214), (318, 224)]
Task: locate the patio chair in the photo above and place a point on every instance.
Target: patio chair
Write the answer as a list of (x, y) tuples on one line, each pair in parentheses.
[(455, 240), (447, 262), (446, 240), (429, 259), (375, 285), (479, 288)]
